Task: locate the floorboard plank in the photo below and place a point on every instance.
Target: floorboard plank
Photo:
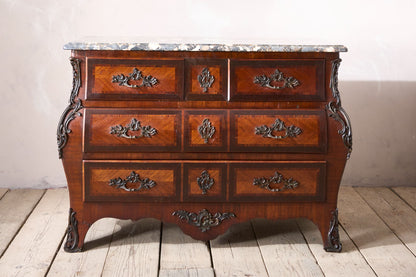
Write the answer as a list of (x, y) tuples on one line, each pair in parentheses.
[(236, 253), (348, 263), (180, 251), (15, 207), (134, 249), (394, 212), (34, 247), (190, 272), (384, 252), (376, 219), (91, 261), (3, 192), (408, 194), (284, 250)]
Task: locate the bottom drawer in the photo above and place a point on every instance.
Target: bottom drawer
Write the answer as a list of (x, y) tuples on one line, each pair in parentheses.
[(131, 181), (249, 181), (277, 181)]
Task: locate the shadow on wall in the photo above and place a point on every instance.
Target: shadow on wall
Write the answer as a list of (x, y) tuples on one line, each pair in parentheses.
[(383, 118)]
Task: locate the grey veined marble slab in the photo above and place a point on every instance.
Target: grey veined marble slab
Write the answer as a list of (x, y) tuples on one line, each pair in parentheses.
[(163, 46)]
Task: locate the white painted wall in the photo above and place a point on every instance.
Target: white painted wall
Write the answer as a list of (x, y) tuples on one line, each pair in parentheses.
[(377, 76)]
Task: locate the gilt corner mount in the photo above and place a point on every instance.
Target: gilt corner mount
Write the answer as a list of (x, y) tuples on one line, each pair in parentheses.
[(337, 112), (72, 110)]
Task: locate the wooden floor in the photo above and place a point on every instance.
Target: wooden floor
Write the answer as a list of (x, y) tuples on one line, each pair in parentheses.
[(378, 232)]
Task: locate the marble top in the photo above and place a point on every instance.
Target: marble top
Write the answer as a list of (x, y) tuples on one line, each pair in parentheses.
[(183, 45)]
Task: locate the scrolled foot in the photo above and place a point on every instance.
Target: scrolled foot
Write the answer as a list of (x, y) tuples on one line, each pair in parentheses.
[(72, 236), (333, 243)]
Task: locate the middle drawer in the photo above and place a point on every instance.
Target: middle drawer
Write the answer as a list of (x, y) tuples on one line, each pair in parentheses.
[(285, 131)]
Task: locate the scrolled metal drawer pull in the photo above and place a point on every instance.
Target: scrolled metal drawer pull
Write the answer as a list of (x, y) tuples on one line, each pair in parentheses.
[(277, 76), (206, 130), (134, 125), (205, 79), (205, 182), (278, 126), (145, 183), (204, 220), (266, 183), (136, 75)]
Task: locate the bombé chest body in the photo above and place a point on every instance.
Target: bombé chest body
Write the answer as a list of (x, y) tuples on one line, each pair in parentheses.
[(204, 136)]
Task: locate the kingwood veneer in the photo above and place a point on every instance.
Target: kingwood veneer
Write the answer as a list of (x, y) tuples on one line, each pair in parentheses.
[(204, 139)]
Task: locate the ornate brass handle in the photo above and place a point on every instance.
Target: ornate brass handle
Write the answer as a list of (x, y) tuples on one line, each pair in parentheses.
[(277, 76), (266, 183), (205, 79), (206, 130), (134, 125), (204, 220), (136, 75), (205, 182), (145, 183), (278, 126)]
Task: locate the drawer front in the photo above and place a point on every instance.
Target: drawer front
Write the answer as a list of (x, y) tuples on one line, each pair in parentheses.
[(204, 181), (279, 181), (132, 130), (206, 79), (205, 131), (278, 131), (277, 80), (115, 79), (131, 181)]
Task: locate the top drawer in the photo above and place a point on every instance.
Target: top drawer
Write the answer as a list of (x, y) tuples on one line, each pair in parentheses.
[(277, 80), (114, 79)]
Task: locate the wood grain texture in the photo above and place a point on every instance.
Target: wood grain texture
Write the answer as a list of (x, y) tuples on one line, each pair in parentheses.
[(326, 147), (188, 272), (408, 194), (284, 250), (192, 190), (394, 212), (312, 138), (208, 104), (309, 73), (205, 156), (98, 176), (218, 68), (87, 263), (378, 244), (169, 75), (236, 253), (45, 227), (310, 178), (194, 141), (98, 124), (179, 251), (134, 249), (23, 201), (3, 191)]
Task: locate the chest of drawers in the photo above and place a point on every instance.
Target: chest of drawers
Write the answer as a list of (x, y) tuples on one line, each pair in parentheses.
[(204, 136)]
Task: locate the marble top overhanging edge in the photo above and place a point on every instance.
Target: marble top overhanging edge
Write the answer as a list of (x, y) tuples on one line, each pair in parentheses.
[(213, 47)]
